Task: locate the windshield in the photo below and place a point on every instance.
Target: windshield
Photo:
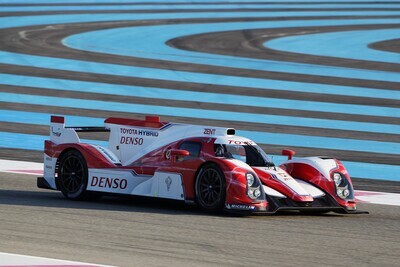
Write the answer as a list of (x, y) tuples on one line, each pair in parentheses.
[(253, 155)]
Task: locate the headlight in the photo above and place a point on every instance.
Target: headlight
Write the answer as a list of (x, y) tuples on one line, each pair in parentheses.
[(344, 189), (250, 179), (339, 192), (257, 193), (346, 192), (337, 178), (343, 192), (254, 190)]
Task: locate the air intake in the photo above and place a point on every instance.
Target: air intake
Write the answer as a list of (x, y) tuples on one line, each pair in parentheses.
[(230, 131)]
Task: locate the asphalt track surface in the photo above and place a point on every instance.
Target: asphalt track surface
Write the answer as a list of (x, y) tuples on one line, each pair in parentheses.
[(137, 232), (141, 232)]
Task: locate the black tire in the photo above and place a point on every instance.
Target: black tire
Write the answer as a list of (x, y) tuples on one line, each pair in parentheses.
[(73, 175), (210, 188)]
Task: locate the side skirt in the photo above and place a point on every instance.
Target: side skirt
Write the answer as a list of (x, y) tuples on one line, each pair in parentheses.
[(42, 183)]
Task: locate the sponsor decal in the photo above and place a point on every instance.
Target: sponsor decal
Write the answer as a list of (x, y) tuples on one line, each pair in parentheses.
[(281, 176), (240, 207), (139, 132), (209, 131), (58, 134), (48, 167), (107, 154), (107, 182), (284, 176), (238, 142), (136, 141), (168, 182)]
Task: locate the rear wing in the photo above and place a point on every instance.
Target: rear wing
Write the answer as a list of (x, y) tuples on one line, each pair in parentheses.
[(59, 134)]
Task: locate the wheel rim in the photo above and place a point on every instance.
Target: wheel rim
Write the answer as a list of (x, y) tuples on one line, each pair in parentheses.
[(72, 174), (210, 187)]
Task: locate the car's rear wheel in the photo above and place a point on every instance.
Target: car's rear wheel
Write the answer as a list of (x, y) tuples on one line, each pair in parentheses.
[(73, 175), (210, 188)]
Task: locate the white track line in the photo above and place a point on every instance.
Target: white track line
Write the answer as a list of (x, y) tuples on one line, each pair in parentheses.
[(15, 260), (24, 167), (33, 168), (378, 197)]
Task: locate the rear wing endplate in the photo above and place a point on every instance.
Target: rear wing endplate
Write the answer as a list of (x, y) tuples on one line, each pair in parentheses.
[(59, 134)]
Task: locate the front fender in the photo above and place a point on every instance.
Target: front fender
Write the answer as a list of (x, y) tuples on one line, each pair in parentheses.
[(319, 172)]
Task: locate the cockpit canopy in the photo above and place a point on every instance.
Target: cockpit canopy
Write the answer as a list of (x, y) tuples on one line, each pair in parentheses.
[(251, 154)]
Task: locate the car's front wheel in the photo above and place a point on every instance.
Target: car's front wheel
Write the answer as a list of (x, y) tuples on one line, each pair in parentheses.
[(210, 188)]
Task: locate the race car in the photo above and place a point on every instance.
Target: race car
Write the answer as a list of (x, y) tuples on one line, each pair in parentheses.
[(204, 165)]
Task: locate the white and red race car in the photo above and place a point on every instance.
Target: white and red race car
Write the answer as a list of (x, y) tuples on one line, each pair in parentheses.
[(209, 166)]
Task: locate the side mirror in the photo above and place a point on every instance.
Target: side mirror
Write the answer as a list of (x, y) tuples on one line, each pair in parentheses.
[(179, 152), (289, 153), (176, 154)]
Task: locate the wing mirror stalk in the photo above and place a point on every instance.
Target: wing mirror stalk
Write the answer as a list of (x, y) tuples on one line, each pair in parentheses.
[(289, 153)]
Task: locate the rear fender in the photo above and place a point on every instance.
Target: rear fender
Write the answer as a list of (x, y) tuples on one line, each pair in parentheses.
[(95, 156)]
